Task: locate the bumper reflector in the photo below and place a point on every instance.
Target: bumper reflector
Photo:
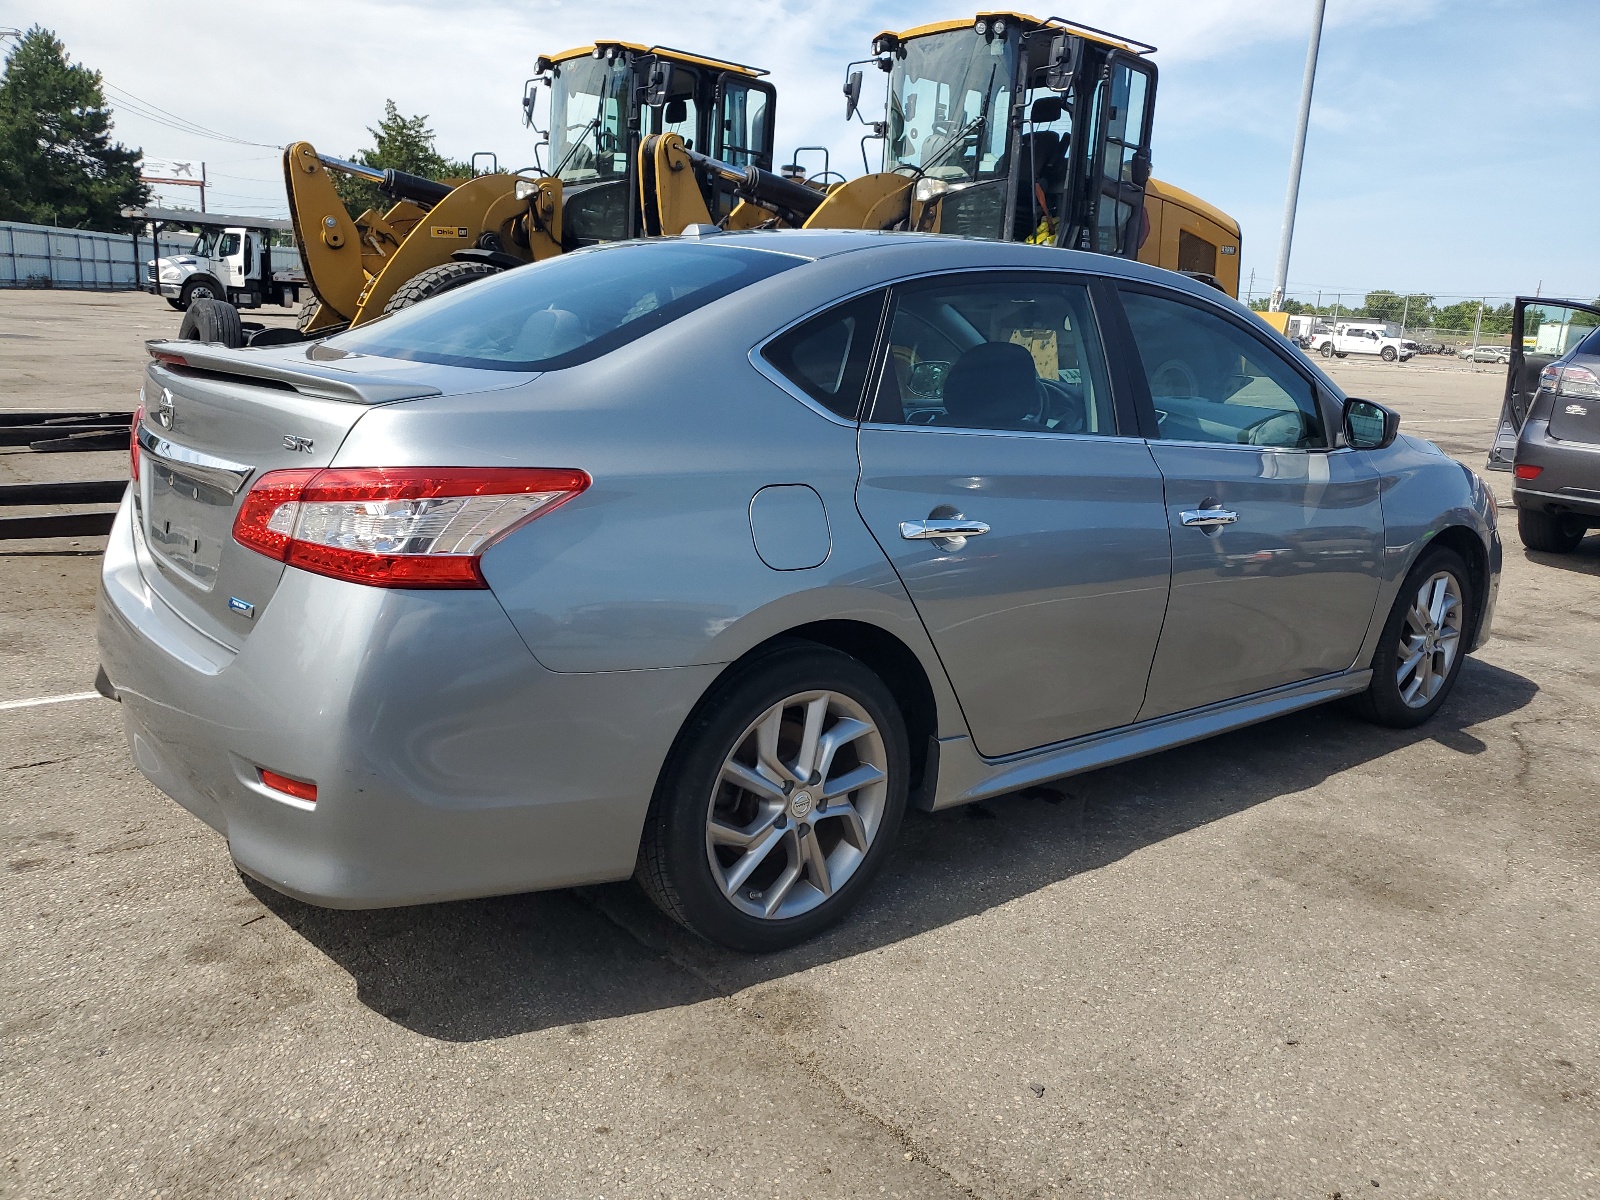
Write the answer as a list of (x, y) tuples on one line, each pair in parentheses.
[(1528, 471), (289, 787)]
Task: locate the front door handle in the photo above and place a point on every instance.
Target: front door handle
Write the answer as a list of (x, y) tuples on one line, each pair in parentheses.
[(914, 531), (1208, 518)]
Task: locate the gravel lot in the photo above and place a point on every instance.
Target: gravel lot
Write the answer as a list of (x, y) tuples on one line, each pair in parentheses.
[(1310, 959)]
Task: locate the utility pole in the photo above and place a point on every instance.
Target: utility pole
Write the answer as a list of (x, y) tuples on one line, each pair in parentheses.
[(1477, 324), (1250, 292), (202, 187), (1404, 310), (1292, 200)]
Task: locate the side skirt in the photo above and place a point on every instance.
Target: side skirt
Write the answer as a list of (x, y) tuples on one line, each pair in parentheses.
[(965, 776)]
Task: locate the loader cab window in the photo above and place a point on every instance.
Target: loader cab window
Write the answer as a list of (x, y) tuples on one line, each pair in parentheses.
[(744, 133), (949, 104), (682, 112), (589, 100), (1121, 118)]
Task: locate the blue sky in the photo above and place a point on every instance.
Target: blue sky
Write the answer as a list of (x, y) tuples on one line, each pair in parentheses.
[(1453, 145)]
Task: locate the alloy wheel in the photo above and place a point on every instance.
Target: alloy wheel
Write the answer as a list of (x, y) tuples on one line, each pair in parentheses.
[(1430, 639), (796, 805)]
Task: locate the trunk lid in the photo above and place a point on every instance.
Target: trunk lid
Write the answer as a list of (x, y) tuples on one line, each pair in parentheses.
[(215, 421)]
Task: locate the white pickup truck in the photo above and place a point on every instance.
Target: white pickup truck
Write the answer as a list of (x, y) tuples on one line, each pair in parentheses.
[(1350, 337), (232, 264)]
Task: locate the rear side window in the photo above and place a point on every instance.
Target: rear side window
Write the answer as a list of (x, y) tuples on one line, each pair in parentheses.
[(827, 356), (567, 310)]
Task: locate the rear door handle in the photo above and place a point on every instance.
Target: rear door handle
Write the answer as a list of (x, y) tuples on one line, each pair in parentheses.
[(1208, 518), (914, 531)]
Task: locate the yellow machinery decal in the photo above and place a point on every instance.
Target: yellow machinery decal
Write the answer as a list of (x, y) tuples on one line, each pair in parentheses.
[(447, 231)]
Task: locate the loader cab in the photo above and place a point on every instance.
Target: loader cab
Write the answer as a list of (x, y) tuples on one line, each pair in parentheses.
[(604, 98), (1022, 130)]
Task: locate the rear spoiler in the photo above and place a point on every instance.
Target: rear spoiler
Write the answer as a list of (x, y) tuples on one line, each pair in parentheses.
[(309, 379)]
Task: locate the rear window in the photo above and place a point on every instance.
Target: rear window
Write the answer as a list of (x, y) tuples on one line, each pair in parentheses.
[(566, 310)]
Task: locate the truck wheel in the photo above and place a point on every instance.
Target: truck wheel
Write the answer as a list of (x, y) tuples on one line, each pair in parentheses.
[(1342, 353), (175, 302), (1549, 532), (198, 288), (308, 313), (1388, 354), (435, 281), (1327, 349), (213, 321)]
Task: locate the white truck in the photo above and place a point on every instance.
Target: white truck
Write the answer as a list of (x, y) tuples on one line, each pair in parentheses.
[(1363, 337), (233, 259)]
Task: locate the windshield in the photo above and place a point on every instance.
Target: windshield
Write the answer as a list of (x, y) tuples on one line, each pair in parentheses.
[(588, 119), (949, 105), (565, 310)]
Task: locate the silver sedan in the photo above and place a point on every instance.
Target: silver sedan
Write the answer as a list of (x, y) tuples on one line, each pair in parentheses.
[(699, 560)]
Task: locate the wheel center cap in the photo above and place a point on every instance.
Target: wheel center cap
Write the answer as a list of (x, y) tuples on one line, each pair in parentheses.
[(800, 804)]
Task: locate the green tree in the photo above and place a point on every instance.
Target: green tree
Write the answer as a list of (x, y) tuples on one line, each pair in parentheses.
[(58, 164), (402, 144)]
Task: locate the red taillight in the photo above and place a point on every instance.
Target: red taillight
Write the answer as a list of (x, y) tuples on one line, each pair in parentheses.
[(133, 444), (168, 359), (1527, 471), (299, 789), (407, 527)]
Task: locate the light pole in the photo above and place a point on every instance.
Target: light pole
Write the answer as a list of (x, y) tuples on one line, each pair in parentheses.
[(1281, 279)]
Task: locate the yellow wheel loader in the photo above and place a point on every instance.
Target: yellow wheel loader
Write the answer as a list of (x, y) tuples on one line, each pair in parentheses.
[(1002, 126), (602, 99)]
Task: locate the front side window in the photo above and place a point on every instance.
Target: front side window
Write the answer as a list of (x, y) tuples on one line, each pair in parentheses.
[(828, 356), (1015, 353), (1212, 381), (566, 310)]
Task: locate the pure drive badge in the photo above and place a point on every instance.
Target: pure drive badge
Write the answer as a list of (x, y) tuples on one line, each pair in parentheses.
[(243, 607), (1577, 410)]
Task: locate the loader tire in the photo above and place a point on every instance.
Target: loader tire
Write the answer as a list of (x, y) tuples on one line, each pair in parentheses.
[(308, 312), (213, 321), (435, 281)]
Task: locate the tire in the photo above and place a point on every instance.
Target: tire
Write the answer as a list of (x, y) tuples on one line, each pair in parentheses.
[(778, 844), (1389, 354), (435, 281), (308, 313), (198, 287), (1327, 349), (1342, 353), (213, 321), (175, 303), (1403, 698), (1548, 532)]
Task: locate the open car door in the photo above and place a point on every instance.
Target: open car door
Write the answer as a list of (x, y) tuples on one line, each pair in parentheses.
[(1541, 332)]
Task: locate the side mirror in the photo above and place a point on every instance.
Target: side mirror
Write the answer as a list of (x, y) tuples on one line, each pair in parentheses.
[(675, 113), (1046, 110), (530, 92), (1139, 168), (852, 94), (911, 107), (658, 85), (1065, 54), (1370, 426)]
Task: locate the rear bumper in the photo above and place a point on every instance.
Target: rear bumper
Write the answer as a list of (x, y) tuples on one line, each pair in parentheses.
[(1570, 479), (448, 762)]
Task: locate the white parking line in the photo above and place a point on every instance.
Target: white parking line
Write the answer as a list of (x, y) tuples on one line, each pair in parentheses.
[(40, 700)]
